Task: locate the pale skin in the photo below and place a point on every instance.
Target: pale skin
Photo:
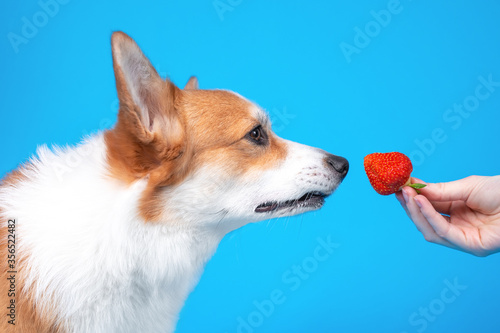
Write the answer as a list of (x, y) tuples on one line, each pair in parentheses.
[(462, 214)]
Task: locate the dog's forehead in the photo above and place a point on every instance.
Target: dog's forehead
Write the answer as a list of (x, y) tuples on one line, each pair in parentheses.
[(254, 110), (216, 108)]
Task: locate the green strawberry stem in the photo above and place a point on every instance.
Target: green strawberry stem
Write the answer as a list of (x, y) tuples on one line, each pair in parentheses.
[(416, 186)]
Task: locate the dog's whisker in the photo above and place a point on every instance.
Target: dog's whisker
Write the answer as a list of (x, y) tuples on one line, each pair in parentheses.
[(300, 226), (225, 214), (215, 213)]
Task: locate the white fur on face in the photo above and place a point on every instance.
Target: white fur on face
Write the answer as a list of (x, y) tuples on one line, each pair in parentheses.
[(211, 196)]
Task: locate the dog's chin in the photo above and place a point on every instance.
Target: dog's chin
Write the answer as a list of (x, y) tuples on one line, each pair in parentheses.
[(307, 202)]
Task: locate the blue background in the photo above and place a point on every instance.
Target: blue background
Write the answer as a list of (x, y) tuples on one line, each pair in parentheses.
[(390, 95)]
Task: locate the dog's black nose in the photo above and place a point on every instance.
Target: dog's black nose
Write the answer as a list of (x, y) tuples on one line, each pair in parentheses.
[(337, 163)]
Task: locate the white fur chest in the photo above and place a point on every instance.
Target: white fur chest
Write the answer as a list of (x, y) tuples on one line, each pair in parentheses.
[(91, 259)]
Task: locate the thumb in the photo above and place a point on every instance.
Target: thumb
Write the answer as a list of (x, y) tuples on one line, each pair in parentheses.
[(450, 191)]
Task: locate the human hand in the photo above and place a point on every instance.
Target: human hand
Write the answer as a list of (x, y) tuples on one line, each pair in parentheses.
[(463, 214)]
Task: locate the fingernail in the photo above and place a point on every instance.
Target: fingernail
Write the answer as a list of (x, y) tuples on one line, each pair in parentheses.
[(405, 196), (417, 201)]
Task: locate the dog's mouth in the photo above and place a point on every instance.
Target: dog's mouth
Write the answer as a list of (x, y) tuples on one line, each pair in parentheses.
[(313, 200)]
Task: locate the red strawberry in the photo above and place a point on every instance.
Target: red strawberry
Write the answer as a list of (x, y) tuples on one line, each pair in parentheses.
[(389, 172)]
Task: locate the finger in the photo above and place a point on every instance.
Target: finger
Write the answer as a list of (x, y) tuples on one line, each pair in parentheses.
[(451, 191), (441, 225), (400, 198), (442, 207), (415, 180), (420, 220)]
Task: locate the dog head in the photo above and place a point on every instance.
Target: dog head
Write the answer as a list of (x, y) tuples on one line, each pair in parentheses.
[(209, 157)]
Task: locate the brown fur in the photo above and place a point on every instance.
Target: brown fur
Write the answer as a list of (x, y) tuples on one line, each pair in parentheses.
[(203, 126), (216, 121)]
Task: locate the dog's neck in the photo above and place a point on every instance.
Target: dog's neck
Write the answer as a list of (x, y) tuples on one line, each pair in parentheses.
[(132, 271)]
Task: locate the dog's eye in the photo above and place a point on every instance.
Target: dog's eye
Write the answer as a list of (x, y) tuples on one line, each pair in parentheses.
[(257, 135)]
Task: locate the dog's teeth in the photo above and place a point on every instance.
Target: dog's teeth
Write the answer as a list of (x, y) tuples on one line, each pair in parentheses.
[(266, 207)]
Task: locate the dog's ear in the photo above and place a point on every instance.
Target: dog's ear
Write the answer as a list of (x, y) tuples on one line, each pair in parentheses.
[(146, 101), (192, 84), (149, 135)]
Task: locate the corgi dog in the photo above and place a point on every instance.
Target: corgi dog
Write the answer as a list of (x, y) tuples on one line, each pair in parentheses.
[(114, 239)]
